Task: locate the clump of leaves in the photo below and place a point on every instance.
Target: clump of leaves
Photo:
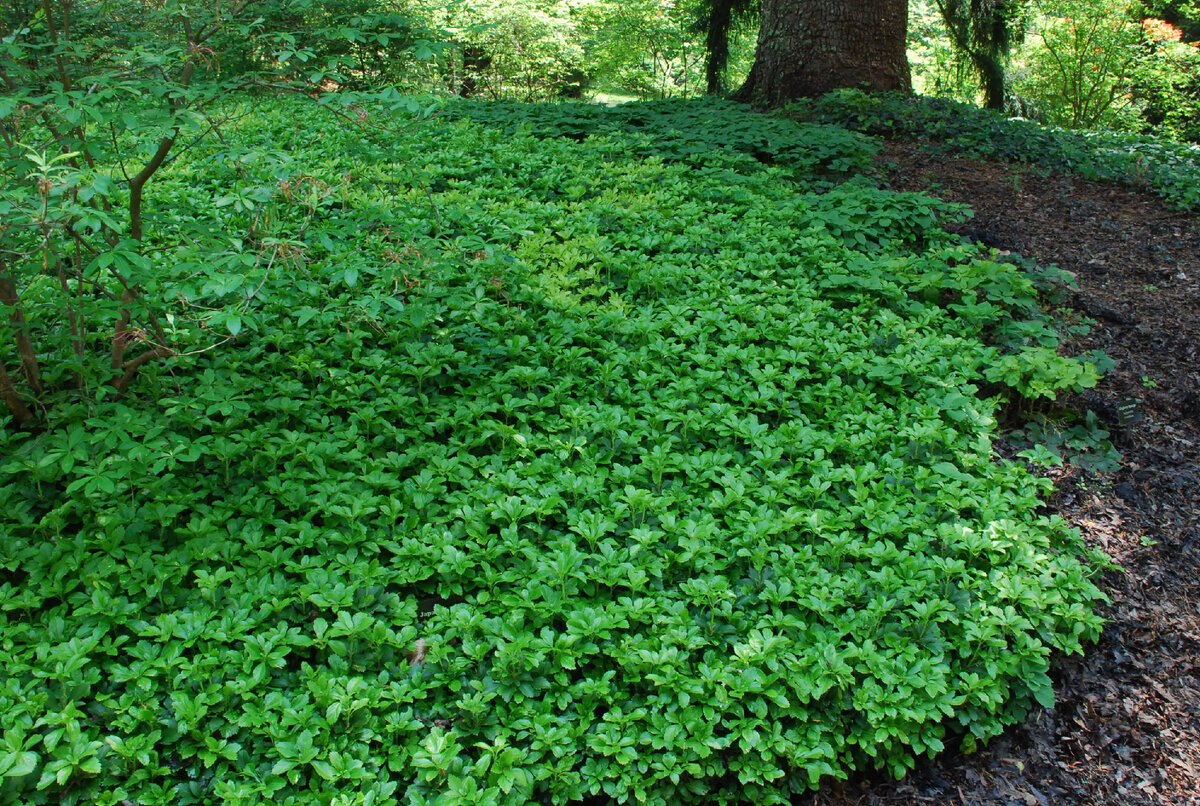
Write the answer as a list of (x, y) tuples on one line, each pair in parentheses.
[(540, 470), (1081, 439)]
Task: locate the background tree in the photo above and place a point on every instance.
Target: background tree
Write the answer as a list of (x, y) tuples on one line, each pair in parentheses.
[(984, 31), (809, 47), (1184, 14), (649, 48), (507, 48), (717, 18)]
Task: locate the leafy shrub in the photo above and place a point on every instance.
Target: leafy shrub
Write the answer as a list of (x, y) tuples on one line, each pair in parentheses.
[(1167, 82), (100, 99), (1082, 63), (1094, 65), (1080, 439), (1172, 170), (541, 469)]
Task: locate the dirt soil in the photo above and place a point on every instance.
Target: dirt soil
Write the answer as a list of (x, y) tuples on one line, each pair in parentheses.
[(1126, 726)]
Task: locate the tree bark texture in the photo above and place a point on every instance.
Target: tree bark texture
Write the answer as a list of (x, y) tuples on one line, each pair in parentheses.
[(809, 47)]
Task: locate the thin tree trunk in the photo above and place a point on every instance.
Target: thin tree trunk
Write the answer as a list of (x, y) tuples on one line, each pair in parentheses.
[(475, 61), (72, 318), (988, 64), (717, 42), (992, 73), (29, 362), (120, 338), (130, 369)]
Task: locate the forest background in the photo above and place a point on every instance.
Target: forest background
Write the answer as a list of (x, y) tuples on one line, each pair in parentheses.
[(1129, 66)]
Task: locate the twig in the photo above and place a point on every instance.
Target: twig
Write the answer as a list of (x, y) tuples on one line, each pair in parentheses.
[(131, 367), (119, 338)]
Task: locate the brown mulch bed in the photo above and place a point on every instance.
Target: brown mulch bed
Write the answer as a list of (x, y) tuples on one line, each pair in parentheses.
[(1126, 727)]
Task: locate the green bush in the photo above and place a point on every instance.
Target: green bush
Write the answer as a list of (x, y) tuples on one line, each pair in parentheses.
[(99, 100), (1090, 65), (1167, 82), (538, 469), (1080, 64)]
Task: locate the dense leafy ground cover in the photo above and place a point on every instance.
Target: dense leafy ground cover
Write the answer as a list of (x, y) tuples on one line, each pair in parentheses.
[(1170, 169), (549, 461)]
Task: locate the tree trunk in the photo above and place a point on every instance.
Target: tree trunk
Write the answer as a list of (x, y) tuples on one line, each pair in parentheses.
[(720, 18), (809, 47), (980, 30), (992, 72), (475, 60)]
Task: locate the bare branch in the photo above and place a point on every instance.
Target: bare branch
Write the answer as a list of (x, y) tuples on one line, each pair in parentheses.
[(132, 366), (120, 336)]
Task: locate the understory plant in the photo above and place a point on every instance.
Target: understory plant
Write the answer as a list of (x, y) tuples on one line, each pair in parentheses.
[(1080, 68), (97, 102), (548, 463)]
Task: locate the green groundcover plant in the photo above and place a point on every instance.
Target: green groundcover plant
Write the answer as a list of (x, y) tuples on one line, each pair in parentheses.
[(1170, 169), (547, 462)]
